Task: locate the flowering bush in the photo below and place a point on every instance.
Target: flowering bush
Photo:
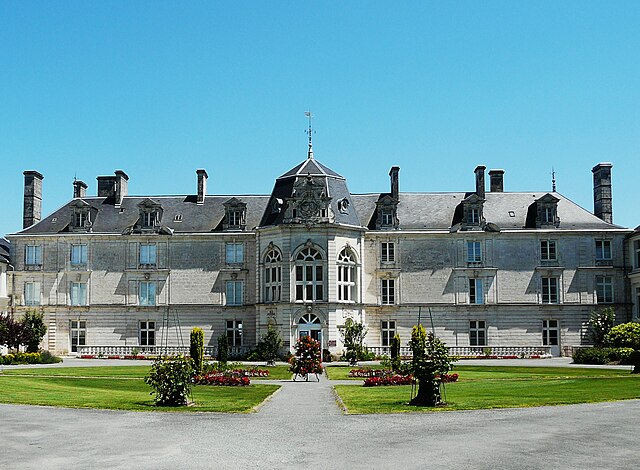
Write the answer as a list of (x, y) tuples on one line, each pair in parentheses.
[(307, 358), (389, 380), (367, 372), (171, 379), (221, 379), (43, 357), (448, 378)]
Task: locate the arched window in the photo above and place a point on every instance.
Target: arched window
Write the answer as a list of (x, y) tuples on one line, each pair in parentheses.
[(272, 276), (346, 276), (309, 275)]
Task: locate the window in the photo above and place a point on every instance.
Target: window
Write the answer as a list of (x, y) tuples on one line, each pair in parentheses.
[(148, 219), (234, 332), (473, 216), (309, 275), (235, 218), (148, 254), (147, 293), (272, 276), (80, 218), (548, 250), (234, 292), (476, 295), (33, 255), (388, 288), (346, 276), (604, 289), (477, 333), (78, 254), (78, 293), (550, 332), (78, 329), (548, 215), (636, 247), (549, 290), (235, 253), (32, 293), (638, 302), (147, 333), (603, 250), (387, 331), (387, 217), (388, 252), (474, 252)]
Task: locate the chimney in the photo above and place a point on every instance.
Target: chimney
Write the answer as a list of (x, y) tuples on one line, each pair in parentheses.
[(79, 189), (107, 186), (395, 184), (202, 185), (122, 186), (32, 198), (496, 180), (480, 181), (602, 206)]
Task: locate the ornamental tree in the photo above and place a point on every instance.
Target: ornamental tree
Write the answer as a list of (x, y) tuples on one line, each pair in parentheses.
[(353, 337), (223, 349), (196, 349), (307, 359), (431, 360), (11, 332), (600, 323), (269, 346), (171, 380)]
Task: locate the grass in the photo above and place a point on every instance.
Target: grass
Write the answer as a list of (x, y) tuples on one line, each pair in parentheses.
[(120, 388), (502, 387)]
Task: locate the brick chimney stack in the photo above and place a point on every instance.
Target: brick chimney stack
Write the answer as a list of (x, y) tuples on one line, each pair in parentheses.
[(480, 186), (32, 212), (496, 180), (395, 183), (79, 189), (602, 198), (122, 186)]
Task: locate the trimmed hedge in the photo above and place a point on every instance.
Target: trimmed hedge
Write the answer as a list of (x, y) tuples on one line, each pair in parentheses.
[(42, 357), (604, 356)]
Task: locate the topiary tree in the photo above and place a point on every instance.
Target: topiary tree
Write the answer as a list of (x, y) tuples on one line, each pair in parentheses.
[(353, 337), (269, 346), (307, 358), (600, 323), (171, 380), (223, 349), (395, 352), (626, 335), (431, 360), (196, 349)]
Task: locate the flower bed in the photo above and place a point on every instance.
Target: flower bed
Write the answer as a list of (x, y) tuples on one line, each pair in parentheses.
[(370, 372), (388, 380), (221, 379), (448, 378), (248, 372)]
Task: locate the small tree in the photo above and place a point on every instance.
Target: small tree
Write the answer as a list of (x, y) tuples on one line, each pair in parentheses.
[(353, 337), (307, 357), (223, 349), (11, 332), (196, 349), (171, 380), (269, 346), (395, 352), (625, 335), (600, 323), (33, 330), (431, 360)]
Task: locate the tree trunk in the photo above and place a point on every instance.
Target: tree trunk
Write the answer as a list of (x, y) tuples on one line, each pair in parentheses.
[(428, 392)]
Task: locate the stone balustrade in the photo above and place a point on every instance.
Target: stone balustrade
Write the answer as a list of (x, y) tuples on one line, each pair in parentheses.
[(124, 351)]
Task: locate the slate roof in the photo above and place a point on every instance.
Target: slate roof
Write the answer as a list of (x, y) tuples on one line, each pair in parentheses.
[(310, 167), (5, 251)]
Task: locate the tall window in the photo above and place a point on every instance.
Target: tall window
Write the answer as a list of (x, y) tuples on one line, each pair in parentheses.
[(638, 302), (78, 254), (147, 293), (387, 331), (32, 293), (78, 330), (33, 255), (147, 333), (603, 250), (78, 293), (388, 290), (550, 290), (548, 250), (309, 275), (636, 248), (388, 252), (387, 217), (148, 254), (346, 276), (235, 218), (234, 291), (548, 215), (474, 252), (476, 291), (80, 218), (272, 276), (477, 333), (235, 253), (604, 289), (550, 332), (473, 216), (234, 332)]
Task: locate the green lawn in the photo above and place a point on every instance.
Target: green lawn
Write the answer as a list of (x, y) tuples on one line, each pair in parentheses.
[(503, 387)]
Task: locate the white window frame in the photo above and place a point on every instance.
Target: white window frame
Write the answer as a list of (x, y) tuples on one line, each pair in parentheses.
[(550, 284), (604, 289), (33, 255), (603, 250), (148, 255), (387, 252), (548, 250), (477, 333), (32, 293), (78, 255), (147, 293), (386, 217), (476, 291), (346, 278), (473, 217), (78, 294), (77, 334), (235, 335), (234, 292), (272, 276), (309, 276), (474, 252), (387, 332), (147, 333), (388, 291), (234, 252), (550, 332)]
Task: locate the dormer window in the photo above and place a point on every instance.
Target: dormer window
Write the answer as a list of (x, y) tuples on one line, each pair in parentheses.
[(148, 219), (343, 206), (547, 211), (150, 215), (387, 213), (235, 214), (472, 217), (387, 217), (81, 216)]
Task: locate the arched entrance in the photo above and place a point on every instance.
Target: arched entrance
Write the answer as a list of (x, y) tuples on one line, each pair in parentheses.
[(310, 325)]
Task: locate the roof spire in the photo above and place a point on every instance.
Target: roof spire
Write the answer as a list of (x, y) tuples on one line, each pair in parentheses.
[(553, 180), (310, 134)]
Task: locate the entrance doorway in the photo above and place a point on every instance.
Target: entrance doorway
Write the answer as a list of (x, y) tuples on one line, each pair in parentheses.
[(551, 336), (310, 325)]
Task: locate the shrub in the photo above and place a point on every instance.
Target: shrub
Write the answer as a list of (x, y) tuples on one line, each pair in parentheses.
[(43, 357), (170, 378), (591, 356), (34, 330), (11, 331), (223, 348), (353, 336), (621, 354), (307, 357), (600, 323), (196, 349), (269, 346), (626, 335)]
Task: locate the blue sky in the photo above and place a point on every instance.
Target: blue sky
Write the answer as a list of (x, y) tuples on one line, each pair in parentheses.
[(160, 89)]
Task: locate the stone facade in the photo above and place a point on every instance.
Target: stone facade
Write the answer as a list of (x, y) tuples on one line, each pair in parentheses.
[(483, 269)]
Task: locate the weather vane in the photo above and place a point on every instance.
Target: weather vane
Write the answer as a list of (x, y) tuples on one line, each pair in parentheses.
[(310, 133), (553, 179)]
